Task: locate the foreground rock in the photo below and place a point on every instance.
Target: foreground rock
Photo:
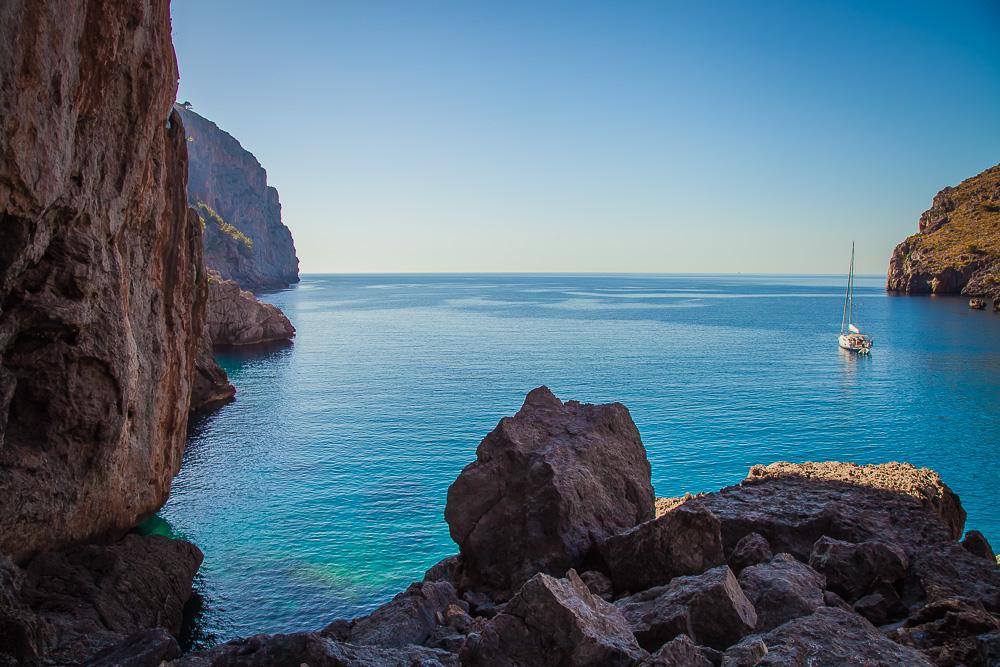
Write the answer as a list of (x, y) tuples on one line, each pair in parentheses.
[(547, 486), (554, 622), (99, 271), (957, 248), (236, 317), (66, 606), (782, 589)]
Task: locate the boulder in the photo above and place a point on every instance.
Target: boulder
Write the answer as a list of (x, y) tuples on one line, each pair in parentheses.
[(146, 648), (307, 648), (547, 485), (752, 549), (953, 631), (975, 543), (828, 637), (878, 607), (235, 316), (554, 622), (685, 540), (678, 652), (854, 569), (782, 589), (940, 571), (711, 608)]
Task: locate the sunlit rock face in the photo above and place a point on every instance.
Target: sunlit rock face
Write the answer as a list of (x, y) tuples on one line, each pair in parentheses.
[(102, 290)]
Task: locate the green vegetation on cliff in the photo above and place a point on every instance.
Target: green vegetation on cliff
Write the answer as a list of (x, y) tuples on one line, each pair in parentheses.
[(204, 210)]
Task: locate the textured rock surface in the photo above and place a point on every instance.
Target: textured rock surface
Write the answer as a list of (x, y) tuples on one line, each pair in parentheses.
[(685, 540), (678, 652), (953, 631), (547, 485), (829, 638), (211, 386), (101, 296), (976, 543), (710, 608), (234, 316), (752, 549), (68, 605), (782, 589), (230, 180), (957, 247), (854, 570), (554, 622), (146, 648)]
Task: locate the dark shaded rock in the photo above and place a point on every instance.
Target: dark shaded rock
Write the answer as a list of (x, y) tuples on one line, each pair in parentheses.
[(831, 599), (444, 570), (879, 606), (941, 571), (678, 652), (211, 387), (146, 648), (952, 631), (100, 271), (306, 648), (234, 316), (752, 549), (710, 608), (828, 637), (853, 570), (598, 584), (248, 242), (782, 589), (976, 544), (685, 540), (481, 604), (547, 485), (554, 622)]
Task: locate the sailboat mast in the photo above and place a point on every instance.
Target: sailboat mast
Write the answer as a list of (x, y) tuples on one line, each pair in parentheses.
[(847, 294), (850, 291)]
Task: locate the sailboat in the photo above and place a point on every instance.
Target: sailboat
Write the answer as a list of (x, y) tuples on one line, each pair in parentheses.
[(851, 337)]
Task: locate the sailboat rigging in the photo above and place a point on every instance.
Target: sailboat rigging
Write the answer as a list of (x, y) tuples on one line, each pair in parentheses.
[(851, 337)]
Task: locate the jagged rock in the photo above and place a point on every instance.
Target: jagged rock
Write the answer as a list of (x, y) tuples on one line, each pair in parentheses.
[(782, 589), (100, 275), (481, 604), (211, 384), (664, 505), (853, 570), (146, 648), (598, 584), (947, 570), (831, 599), (752, 549), (953, 631), (828, 637), (87, 598), (306, 648), (426, 612), (710, 608), (747, 653), (235, 316), (444, 570), (547, 485), (975, 543), (554, 622), (249, 243), (685, 540), (678, 652)]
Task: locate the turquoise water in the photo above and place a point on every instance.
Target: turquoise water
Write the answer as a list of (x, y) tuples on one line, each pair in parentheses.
[(319, 493)]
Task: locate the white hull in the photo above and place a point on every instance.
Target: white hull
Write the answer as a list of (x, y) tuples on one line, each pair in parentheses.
[(855, 343)]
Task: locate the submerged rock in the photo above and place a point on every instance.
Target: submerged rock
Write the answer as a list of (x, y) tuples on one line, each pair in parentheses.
[(547, 485), (554, 622)]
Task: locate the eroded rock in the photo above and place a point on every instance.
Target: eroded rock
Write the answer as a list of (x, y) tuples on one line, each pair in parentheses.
[(678, 652), (235, 316), (853, 570), (547, 485)]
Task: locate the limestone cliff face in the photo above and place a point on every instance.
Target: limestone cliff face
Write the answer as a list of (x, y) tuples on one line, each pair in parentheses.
[(957, 247), (245, 239), (102, 293), (236, 317)]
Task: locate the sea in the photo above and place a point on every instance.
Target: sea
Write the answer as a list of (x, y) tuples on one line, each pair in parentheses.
[(319, 493)]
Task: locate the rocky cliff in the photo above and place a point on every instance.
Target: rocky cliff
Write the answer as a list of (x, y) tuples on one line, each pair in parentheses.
[(565, 559), (102, 292), (245, 239), (957, 246), (234, 316)]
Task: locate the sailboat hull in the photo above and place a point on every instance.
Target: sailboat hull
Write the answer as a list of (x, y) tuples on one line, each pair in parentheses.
[(855, 343)]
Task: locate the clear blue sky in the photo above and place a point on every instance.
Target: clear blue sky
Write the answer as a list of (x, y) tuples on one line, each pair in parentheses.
[(617, 136)]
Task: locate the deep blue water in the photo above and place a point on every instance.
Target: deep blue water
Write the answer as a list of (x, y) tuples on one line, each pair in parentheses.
[(319, 493)]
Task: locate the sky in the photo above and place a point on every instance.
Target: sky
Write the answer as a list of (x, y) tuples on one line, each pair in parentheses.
[(757, 137)]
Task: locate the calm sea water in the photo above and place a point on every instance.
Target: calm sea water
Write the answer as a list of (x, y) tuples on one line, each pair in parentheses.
[(320, 492)]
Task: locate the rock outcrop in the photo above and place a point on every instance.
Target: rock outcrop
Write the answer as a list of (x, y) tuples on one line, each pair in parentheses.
[(234, 316), (957, 246), (548, 485), (211, 387), (102, 293), (245, 239)]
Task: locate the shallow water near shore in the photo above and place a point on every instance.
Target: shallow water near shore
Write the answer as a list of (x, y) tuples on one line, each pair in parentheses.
[(320, 492)]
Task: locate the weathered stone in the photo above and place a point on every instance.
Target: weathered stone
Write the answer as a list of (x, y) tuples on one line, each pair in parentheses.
[(752, 549), (444, 570), (257, 250), (678, 652), (685, 540), (100, 271), (782, 589), (211, 386), (554, 622), (975, 543), (235, 316), (853, 570), (306, 648), (952, 631), (710, 608), (948, 570), (146, 648), (599, 584), (879, 606), (828, 637), (747, 653), (547, 485)]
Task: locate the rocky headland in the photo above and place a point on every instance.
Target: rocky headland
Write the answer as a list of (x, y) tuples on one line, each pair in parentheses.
[(956, 249), (565, 558)]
